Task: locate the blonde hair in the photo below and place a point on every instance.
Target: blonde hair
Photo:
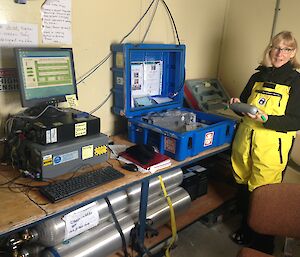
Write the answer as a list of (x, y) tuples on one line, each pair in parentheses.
[(288, 39)]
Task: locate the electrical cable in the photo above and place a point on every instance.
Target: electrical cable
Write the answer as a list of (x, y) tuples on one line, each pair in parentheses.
[(180, 88), (40, 114), (91, 71), (151, 20), (100, 105), (173, 22)]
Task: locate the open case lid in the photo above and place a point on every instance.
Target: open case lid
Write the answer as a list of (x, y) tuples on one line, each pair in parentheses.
[(147, 78)]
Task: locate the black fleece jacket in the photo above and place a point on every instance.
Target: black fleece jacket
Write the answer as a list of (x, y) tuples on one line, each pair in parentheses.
[(284, 75)]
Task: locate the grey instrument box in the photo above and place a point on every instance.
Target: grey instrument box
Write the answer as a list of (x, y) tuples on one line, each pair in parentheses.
[(49, 161), (208, 95)]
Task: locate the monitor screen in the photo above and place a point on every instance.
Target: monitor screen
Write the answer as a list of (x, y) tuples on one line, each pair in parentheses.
[(46, 75)]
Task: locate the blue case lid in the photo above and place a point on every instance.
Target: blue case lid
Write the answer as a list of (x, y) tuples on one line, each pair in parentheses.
[(147, 78)]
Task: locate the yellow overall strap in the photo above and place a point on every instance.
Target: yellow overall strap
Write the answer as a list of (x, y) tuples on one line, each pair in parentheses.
[(172, 216)]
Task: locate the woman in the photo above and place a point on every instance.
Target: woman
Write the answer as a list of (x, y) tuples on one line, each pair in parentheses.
[(263, 141)]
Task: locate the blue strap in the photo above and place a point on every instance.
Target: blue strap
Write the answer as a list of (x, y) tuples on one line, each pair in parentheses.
[(54, 252)]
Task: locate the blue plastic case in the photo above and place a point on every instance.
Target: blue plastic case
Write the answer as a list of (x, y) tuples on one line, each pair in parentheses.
[(149, 79)]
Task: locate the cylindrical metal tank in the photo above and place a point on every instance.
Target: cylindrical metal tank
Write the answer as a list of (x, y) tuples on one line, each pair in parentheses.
[(52, 231), (171, 180), (158, 202), (32, 250), (100, 241), (160, 214)]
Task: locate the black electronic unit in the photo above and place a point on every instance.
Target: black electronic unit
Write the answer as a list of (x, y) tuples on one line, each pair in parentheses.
[(70, 125), (195, 181)]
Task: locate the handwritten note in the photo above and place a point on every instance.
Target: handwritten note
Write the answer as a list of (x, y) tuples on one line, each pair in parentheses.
[(81, 220), (18, 34), (56, 21), (72, 100)]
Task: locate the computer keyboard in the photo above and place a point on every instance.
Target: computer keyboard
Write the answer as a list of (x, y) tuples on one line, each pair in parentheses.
[(61, 190)]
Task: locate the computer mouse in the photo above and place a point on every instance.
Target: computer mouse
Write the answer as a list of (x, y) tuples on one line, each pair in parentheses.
[(130, 167)]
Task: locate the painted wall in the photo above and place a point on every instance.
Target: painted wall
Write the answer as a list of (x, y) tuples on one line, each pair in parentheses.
[(247, 31), (224, 39), (97, 24)]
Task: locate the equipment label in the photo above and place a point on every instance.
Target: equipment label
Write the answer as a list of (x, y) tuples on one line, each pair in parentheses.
[(80, 129), (51, 136), (47, 160), (81, 220), (209, 138), (87, 152), (59, 159), (170, 145)]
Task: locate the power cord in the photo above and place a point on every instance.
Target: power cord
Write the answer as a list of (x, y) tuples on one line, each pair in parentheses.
[(174, 28)]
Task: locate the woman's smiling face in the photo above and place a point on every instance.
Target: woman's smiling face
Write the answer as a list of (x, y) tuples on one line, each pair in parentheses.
[(280, 54)]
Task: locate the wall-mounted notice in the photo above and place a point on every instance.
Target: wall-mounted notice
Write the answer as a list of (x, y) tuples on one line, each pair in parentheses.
[(18, 34), (14, 35), (56, 21)]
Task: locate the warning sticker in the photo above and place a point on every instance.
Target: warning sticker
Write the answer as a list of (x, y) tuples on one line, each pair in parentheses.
[(99, 150), (170, 144), (209, 138), (47, 160)]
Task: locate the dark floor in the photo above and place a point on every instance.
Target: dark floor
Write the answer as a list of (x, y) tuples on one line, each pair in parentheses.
[(198, 240)]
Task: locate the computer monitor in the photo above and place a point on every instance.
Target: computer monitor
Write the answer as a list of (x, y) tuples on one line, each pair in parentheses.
[(46, 75)]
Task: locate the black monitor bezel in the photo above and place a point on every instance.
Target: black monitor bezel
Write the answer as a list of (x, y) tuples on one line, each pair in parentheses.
[(45, 100)]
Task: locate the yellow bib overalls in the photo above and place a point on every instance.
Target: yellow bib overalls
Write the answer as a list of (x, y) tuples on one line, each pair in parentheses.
[(260, 155)]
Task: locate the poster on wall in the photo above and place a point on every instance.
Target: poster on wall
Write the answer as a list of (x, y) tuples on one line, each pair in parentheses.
[(56, 22), (15, 35)]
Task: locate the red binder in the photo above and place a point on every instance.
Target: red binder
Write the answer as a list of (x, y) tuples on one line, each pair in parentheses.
[(159, 161)]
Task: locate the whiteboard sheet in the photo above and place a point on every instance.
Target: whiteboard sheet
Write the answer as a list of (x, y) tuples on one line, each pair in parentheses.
[(57, 21), (18, 34), (14, 34)]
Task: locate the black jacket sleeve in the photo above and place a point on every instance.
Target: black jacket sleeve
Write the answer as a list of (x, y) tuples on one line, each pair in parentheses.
[(291, 120)]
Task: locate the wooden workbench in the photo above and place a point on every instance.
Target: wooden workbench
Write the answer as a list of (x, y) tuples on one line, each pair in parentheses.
[(20, 210)]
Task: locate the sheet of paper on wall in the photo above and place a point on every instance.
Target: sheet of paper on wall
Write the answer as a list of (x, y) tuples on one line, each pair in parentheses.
[(137, 78), (146, 81), (153, 77), (14, 34), (56, 21)]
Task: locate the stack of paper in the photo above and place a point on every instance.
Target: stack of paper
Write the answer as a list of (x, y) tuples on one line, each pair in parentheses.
[(159, 161)]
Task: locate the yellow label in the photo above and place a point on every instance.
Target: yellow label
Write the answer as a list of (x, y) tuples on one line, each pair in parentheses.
[(47, 160), (80, 129), (87, 152), (72, 100), (119, 60), (100, 150)]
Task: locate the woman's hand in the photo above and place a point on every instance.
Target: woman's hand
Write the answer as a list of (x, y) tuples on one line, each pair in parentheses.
[(260, 116), (234, 100)]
